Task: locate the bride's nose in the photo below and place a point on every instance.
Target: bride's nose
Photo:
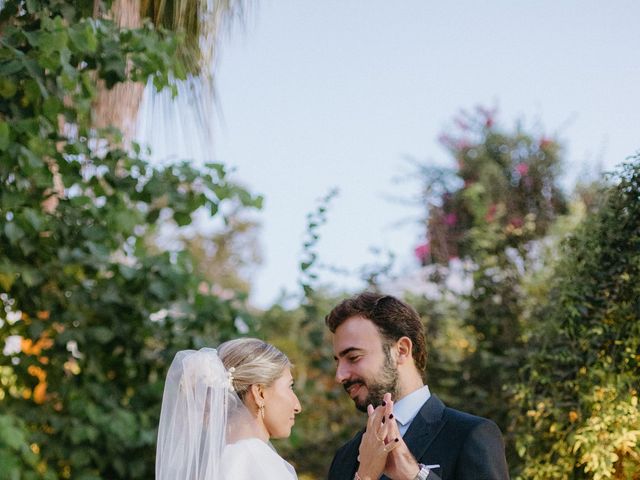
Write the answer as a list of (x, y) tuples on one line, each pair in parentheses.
[(297, 408)]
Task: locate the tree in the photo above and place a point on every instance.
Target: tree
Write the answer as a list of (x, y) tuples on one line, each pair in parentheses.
[(486, 219), (199, 23), (91, 313), (578, 413), (227, 256)]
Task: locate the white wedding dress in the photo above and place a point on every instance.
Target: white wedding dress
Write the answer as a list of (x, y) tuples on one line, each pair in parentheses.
[(205, 431), (252, 458)]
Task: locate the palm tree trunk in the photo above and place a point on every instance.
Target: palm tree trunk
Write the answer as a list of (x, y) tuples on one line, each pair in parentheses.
[(118, 106)]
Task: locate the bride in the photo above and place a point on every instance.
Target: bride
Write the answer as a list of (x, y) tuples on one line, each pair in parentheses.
[(219, 410)]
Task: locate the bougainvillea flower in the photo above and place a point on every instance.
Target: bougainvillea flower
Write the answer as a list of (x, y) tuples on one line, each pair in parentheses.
[(545, 142), (422, 251), (522, 169), (451, 219), (491, 213)]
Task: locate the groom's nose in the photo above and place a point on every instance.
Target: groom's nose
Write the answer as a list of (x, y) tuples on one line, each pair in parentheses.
[(342, 372)]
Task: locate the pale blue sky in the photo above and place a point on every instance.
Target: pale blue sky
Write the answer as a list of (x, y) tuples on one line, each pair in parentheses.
[(322, 94)]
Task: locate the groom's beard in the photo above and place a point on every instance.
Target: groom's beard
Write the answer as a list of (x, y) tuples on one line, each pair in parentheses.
[(386, 380)]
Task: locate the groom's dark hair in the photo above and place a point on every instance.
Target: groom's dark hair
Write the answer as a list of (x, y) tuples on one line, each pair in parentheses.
[(393, 318)]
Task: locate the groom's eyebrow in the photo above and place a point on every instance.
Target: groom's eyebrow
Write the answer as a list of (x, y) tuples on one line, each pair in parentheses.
[(347, 351)]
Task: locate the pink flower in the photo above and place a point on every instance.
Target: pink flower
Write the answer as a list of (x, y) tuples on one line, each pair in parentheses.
[(462, 124), (451, 219), (462, 144), (516, 222), (491, 213), (545, 142), (489, 115), (522, 169), (446, 140), (422, 251)]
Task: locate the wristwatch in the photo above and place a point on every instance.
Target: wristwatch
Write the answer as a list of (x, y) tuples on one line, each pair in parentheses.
[(423, 473)]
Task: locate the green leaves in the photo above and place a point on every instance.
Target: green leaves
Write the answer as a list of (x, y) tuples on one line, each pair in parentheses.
[(84, 37), (7, 88), (584, 365), (17, 460), (11, 435), (13, 232), (82, 271), (4, 135), (100, 334), (315, 220)]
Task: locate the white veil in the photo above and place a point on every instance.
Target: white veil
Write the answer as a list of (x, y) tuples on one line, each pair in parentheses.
[(200, 414)]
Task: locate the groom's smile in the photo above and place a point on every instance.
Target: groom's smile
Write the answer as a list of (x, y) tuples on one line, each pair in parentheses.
[(352, 388)]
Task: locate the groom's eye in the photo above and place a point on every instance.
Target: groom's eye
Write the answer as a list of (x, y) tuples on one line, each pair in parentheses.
[(354, 358)]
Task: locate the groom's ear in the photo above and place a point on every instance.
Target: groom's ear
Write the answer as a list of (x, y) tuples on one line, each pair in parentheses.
[(404, 347)]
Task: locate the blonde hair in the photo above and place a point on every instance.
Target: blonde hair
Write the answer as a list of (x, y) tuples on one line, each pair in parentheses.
[(254, 362)]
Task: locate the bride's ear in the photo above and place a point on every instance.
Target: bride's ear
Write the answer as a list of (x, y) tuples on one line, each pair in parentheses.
[(257, 392)]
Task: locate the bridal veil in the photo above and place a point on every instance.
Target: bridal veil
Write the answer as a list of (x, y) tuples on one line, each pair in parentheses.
[(201, 414)]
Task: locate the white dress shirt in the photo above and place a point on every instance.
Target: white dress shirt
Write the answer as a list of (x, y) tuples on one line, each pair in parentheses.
[(406, 409)]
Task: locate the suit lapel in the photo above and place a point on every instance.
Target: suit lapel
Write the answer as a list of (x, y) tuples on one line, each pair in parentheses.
[(425, 427)]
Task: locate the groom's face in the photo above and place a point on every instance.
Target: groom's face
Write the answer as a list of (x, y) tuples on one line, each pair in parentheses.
[(364, 365)]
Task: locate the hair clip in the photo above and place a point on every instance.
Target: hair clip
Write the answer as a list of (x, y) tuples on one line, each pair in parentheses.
[(230, 375)]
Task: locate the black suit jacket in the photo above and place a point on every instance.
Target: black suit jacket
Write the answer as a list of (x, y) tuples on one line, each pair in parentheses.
[(465, 446)]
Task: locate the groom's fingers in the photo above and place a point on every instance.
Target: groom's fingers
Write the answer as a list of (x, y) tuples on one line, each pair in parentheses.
[(387, 418), (378, 417), (393, 432)]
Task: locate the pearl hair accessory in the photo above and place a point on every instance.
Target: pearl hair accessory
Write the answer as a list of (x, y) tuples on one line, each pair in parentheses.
[(230, 375)]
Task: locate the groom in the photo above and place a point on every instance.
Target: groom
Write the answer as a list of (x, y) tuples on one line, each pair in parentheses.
[(379, 347)]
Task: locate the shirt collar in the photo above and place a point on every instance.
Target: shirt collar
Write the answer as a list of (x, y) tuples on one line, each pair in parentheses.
[(405, 409)]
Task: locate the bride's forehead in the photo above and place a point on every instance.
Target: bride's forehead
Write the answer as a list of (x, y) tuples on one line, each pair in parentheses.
[(286, 374)]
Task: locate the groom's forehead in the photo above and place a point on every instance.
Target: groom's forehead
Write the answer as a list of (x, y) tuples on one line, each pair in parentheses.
[(355, 333)]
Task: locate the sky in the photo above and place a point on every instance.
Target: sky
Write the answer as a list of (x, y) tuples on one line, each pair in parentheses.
[(315, 95)]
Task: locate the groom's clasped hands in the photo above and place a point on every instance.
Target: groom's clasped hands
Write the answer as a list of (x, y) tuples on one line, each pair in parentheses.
[(382, 449)]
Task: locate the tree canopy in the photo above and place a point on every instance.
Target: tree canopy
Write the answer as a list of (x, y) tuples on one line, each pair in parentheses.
[(93, 308)]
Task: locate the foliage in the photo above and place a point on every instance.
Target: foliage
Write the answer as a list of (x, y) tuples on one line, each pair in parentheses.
[(227, 255), (200, 23), (578, 401), (17, 458), (308, 265), (92, 312), (504, 192), (486, 221)]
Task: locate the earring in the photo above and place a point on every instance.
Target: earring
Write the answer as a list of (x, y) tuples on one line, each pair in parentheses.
[(261, 408)]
